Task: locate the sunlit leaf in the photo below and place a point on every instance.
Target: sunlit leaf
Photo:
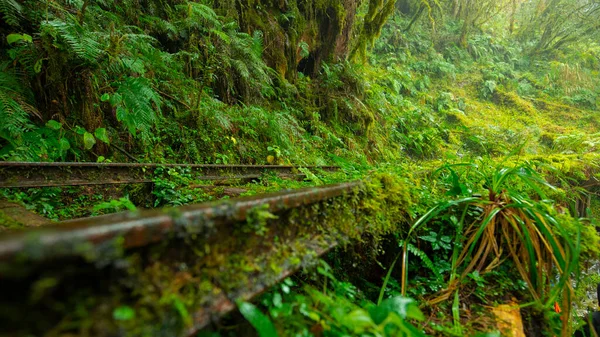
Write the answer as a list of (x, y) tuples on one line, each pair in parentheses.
[(102, 135), (54, 125), (402, 306), (14, 38), (88, 140), (259, 321), (124, 313)]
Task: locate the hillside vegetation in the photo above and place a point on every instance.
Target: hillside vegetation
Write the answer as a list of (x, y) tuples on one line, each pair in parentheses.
[(488, 110), (186, 81)]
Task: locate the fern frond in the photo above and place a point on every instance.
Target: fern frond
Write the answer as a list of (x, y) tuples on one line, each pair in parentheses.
[(139, 105), (13, 109), (257, 43), (126, 65), (199, 11), (11, 10), (160, 26), (199, 16), (221, 35), (78, 40), (248, 50), (242, 69), (423, 257)]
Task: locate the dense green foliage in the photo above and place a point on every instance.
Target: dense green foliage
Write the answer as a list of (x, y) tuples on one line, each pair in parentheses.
[(176, 81), (488, 110)]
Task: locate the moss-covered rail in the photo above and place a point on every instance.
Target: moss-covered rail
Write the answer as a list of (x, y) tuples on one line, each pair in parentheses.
[(46, 174), (172, 272), (137, 229)]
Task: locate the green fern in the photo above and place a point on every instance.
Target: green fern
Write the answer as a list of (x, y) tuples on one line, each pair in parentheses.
[(231, 57), (137, 105), (72, 37), (11, 11), (14, 108), (199, 17), (125, 65), (245, 56), (422, 256), (160, 26), (201, 14)]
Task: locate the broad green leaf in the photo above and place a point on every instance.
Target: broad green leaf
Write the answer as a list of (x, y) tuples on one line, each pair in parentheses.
[(358, 320), (64, 144), (102, 135), (259, 321), (88, 140), (105, 97), (14, 38), (402, 306), (406, 327), (124, 313), (79, 130), (54, 125)]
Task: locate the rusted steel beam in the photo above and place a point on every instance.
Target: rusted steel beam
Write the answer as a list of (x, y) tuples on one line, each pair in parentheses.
[(239, 177), (223, 305), (35, 184), (139, 229), (212, 254), (42, 174), (155, 165)]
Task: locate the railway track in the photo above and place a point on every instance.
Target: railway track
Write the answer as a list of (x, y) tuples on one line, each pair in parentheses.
[(43, 174), (179, 270)]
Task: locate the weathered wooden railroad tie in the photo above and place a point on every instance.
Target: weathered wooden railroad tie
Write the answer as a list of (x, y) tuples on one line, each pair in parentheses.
[(179, 270), (42, 174)]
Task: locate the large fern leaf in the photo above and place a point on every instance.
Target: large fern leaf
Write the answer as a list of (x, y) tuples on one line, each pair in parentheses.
[(247, 49), (138, 105), (197, 11), (423, 257), (14, 109), (11, 11), (74, 38)]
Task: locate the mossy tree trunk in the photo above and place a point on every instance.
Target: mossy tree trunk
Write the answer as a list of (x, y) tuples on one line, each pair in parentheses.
[(324, 25), (377, 15)]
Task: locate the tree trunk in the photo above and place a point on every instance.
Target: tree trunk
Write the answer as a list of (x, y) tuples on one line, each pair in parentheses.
[(466, 27), (513, 12), (415, 18), (456, 8)]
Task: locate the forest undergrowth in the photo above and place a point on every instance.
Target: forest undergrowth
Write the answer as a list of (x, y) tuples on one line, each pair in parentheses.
[(488, 110)]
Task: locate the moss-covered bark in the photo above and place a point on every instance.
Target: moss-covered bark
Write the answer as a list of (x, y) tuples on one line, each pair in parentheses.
[(324, 25)]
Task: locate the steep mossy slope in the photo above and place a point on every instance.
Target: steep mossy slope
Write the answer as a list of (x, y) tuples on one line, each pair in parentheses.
[(211, 73), (238, 82)]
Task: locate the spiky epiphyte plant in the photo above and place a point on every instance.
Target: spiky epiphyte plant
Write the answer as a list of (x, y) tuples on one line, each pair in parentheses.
[(514, 221)]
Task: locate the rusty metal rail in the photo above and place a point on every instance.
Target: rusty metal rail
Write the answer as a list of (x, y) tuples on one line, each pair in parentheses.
[(142, 228), (29, 256), (43, 174)]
